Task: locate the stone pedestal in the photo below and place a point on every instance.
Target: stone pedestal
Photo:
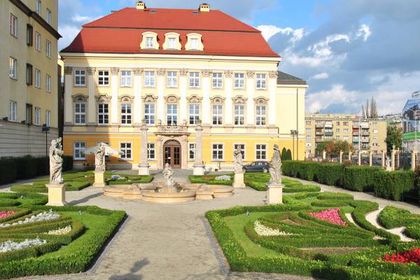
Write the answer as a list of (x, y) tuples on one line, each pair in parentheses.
[(56, 195), (198, 170), (238, 181), (99, 179), (144, 170), (275, 194), (413, 160)]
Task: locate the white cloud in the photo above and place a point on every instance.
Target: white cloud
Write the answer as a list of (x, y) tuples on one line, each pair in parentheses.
[(364, 32), (269, 31), (318, 101), (68, 33), (320, 76), (81, 19)]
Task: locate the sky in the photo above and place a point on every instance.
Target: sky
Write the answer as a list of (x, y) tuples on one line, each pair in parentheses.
[(347, 50)]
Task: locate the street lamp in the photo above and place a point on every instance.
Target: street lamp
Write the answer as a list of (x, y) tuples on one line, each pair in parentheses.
[(294, 133)]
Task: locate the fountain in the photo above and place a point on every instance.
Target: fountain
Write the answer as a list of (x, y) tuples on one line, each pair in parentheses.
[(168, 191)]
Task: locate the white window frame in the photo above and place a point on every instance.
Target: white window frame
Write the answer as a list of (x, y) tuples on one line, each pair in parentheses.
[(217, 80), (151, 150), (194, 79), (79, 76), (261, 80), (103, 113), (171, 114), (149, 79), (79, 150), (38, 7), (239, 114), (217, 114), (150, 42), (79, 114), (13, 25), (126, 114), (49, 16), (260, 119), (239, 81), (172, 79), (48, 48), (38, 39), (126, 147), (13, 111), (191, 151), (48, 118), (103, 78), (243, 149), (260, 149), (219, 149), (37, 78), (13, 68), (149, 117), (48, 83), (37, 118), (126, 78), (194, 113), (194, 44), (172, 43)]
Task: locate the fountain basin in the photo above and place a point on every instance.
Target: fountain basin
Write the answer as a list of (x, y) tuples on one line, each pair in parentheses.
[(130, 192), (220, 191), (168, 197)]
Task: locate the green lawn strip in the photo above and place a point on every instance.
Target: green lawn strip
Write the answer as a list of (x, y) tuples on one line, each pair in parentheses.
[(129, 179), (392, 217), (210, 180)]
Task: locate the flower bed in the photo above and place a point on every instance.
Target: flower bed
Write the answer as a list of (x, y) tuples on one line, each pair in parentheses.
[(409, 256), (6, 214), (330, 215), (10, 245), (60, 231), (262, 230), (41, 217)]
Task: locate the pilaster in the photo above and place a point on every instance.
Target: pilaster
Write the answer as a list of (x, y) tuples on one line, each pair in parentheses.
[(272, 87), (161, 101), (250, 88), (114, 93), (183, 83), (228, 93), (91, 116), (206, 112), (68, 101), (138, 102)]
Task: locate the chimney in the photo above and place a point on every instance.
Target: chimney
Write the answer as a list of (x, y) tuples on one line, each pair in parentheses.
[(204, 8), (140, 5)]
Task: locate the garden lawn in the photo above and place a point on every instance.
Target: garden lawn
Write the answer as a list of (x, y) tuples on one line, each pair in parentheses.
[(211, 180)]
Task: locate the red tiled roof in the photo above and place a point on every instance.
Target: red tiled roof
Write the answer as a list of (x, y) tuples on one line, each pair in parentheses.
[(121, 32)]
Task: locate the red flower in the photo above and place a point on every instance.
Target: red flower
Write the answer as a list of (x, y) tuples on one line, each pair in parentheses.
[(412, 255), (330, 215), (5, 214)]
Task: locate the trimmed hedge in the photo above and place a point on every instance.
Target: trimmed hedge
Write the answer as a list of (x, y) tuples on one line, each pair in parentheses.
[(210, 180), (396, 185), (20, 168)]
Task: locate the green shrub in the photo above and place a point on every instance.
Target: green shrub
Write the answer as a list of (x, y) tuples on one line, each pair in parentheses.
[(4, 202), (8, 170), (301, 188), (330, 174), (210, 180), (393, 185), (359, 178), (334, 196), (392, 217), (130, 179)]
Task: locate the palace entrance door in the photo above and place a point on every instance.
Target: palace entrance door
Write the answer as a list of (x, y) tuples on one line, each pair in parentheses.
[(172, 153)]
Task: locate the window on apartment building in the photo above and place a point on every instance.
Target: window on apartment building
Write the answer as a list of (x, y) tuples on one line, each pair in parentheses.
[(80, 113), (79, 150), (29, 74), (194, 114), (125, 113), (13, 68), (48, 83), (29, 114), (217, 152), (240, 147), (48, 118), (345, 130), (13, 111), (337, 130), (29, 35), (239, 114), (171, 81), (37, 78), (13, 25), (126, 152), (151, 152), (345, 123), (191, 151), (103, 113), (308, 122), (37, 118), (308, 131), (149, 113), (172, 43), (194, 79), (125, 78), (149, 78), (217, 80), (38, 41), (103, 77), (171, 114), (150, 42), (194, 44), (217, 114), (38, 6), (239, 81), (48, 48), (261, 115), (308, 138), (49, 16), (261, 151), (79, 77), (261, 81)]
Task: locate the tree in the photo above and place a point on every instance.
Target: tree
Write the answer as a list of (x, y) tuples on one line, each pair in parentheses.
[(333, 147), (283, 154), (373, 109), (288, 154), (394, 136)]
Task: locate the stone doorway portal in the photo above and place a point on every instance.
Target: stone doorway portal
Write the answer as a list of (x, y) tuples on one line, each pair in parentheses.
[(172, 152)]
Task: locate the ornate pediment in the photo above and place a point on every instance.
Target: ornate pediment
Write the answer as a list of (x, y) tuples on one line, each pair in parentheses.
[(217, 100), (239, 99), (103, 98), (79, 98), (195, 99), (127, 99), (150, 99), (261, 100)]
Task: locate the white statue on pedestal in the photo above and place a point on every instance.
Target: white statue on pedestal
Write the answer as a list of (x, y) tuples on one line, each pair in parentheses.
[(275, 167), (238, 161), (56, 162), (100, 157)]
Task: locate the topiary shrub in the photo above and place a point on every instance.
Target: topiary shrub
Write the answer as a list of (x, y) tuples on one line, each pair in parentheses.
[(330, 174), (393, 185), (7, 170), (359, 178)]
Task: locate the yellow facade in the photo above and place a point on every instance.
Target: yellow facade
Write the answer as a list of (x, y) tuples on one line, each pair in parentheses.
[(20, 101)]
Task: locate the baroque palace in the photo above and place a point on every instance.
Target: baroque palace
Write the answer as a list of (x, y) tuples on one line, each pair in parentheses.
[(178, 86)]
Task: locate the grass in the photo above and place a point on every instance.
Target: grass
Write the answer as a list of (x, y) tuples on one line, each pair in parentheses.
[(210, 180), (128, 179)]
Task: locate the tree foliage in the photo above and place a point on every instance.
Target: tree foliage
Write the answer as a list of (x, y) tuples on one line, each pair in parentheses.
[(394, 136), (334, 147)]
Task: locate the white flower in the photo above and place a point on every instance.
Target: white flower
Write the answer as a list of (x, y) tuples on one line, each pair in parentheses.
[(41, 217), (60, 231), (9, 245), (262, 230)]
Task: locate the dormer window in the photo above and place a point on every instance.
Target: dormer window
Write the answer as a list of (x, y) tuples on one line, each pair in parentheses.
[(172, 41), (194, 42), (149, 41)]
